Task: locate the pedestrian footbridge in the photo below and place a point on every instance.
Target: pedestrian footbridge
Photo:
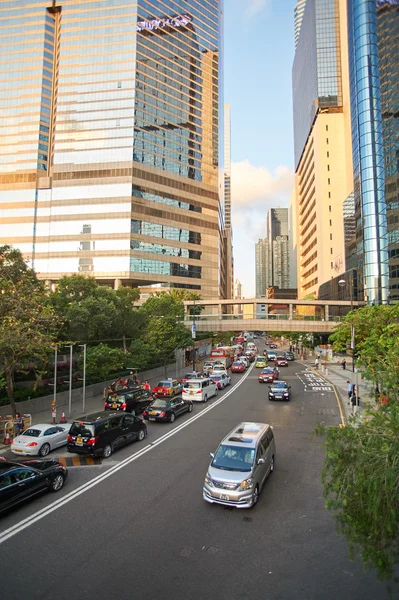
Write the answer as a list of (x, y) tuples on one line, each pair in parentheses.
[(261, 314)]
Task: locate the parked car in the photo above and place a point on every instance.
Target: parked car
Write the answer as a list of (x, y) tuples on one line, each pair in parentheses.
[(199, 390), (280, 390), (24, 480), (268, 375), (39, 440), (99, 434), (240, 466), (237, 367), (260, 362), (167, 409), (131, 401), (167, 388), (221, 380), (289, 356), (281, 360)]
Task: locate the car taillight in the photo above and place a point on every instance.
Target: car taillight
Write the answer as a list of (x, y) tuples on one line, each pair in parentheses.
[(12, 442), (92, 441), (162, 414), (144, 413), (32, 444), (69, 438), (198, 392), (123, 406)]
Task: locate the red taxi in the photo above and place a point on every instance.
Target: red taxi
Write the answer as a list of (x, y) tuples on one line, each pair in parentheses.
[(167, 388), (237, 367), (268, 375)]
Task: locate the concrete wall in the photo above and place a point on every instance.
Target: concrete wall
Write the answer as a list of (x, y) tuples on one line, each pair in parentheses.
[(44, 403)]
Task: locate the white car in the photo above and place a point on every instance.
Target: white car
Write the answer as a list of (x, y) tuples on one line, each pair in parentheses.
[(39, 440), (218, 370), (244, 360), (221, 380)]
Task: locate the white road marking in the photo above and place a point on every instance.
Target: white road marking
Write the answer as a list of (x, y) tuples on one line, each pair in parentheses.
[(40, 514)]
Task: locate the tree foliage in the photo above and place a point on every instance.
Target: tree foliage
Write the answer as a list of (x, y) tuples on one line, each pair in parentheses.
[(102, 360), (28, 322), (361, 485)]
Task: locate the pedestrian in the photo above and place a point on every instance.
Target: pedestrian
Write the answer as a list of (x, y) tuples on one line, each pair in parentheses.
[(147, 386), (383, 399), (355, 400), (350, 389), (18, 424), (54, 412), (316, 363), (343, 363)]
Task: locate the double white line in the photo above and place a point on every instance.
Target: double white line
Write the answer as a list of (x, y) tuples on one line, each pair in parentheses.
[(40, 514)]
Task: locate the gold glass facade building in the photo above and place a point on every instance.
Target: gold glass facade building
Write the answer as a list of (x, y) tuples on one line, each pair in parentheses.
[(109, 139)]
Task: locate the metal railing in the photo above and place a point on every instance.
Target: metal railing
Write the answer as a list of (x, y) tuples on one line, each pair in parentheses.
[(269, 317)]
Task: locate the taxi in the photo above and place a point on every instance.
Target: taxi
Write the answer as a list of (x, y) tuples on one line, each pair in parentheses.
[(261, 362), (167, 388)]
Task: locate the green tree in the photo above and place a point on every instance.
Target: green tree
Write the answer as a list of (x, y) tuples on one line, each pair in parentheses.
[(361, 485), (165, 331), (28, 322), (130, 321), (102, 360)]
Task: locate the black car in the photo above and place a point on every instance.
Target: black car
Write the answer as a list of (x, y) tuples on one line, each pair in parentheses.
[(280, 390), (133, 401), (26, 479), (167, 409), (99, 434), (289, 356)]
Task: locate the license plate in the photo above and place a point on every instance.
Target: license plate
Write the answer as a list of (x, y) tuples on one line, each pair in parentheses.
[(114, 406), (16, 450), (224, 497), (279, 397), (79, 441), (152, 419), (191, 393), (152, 412)]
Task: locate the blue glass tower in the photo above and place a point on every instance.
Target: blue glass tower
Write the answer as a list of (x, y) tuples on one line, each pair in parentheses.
[(368, 151)]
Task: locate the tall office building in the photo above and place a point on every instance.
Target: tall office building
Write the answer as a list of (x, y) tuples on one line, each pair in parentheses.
[(263, 277), (227, 230), (298, 16), (110, 139), (277, 237), (322, 140)]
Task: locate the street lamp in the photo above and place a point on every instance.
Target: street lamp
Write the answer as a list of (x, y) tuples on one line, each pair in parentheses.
[(70, 346), (342, 283), (84, 377), (194, 335)]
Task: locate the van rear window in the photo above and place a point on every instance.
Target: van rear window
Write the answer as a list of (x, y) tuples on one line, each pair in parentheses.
[(82, 429), (193, 385)]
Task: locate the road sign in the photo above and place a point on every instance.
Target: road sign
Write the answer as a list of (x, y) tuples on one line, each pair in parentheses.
[(194, 331)]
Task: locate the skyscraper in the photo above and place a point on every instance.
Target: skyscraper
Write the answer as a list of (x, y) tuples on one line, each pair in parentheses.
[(227, 230), (110, 142), (262, 268), (322, 140), (277, 237), (298, 16)]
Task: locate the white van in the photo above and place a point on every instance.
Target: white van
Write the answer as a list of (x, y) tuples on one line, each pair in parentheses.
[(251, 346), (199, 390)]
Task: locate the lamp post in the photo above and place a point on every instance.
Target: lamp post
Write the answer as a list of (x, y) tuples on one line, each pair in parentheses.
[(70, 346), (84, 377), (194, 335), (342, 283)]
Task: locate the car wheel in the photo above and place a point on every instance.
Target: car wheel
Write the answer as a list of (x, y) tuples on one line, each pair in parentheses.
[(44, 450), (172, 418), (255, 496), (190, 408), (57, 483), (216, 392), (107, 451), (141, 435), (205, 398), (272, 465)]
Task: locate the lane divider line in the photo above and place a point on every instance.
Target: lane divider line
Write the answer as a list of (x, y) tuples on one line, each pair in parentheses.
[(40, 514), (337, 396)]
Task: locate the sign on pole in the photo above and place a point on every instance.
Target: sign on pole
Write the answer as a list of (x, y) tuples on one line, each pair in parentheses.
[(194, 331)]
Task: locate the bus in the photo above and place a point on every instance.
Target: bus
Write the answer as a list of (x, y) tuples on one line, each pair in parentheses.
[(224, 354)]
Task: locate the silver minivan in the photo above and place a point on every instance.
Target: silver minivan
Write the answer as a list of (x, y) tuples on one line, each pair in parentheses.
[(199, 390), (240, 466)]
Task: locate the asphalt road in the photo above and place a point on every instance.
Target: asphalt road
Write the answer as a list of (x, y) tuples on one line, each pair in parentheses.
[(144, 531)]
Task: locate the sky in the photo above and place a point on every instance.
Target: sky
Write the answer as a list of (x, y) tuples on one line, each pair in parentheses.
[(259, 51)]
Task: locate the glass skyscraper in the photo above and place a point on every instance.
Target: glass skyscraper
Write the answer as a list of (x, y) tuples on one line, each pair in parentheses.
[(109, 139)]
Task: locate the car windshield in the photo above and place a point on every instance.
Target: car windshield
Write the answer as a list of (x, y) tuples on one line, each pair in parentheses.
[(116, 399), (216, 377), (32, 432), (159, 404), (192, 385), (233, 458), (280, 384), (82, 429), (237, 364), (164, 384), (267, 371)]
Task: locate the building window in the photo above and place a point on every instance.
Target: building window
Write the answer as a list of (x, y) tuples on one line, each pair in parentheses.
[(329, 181), (328, 167), (328, 154), (330, 223), (331, 250), (330, 236), (329, 195), (329, 209), (327, 141), (332, 265), (326, 127)]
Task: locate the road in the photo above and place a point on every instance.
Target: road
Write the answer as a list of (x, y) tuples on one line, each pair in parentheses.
[(144, 531)]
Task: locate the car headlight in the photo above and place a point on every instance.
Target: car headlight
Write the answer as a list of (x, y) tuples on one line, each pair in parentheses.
[(208, 480), (247, 484), (271, 394)]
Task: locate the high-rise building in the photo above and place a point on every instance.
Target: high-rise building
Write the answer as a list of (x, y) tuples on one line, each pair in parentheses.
[(298, 16), (227, 230), (263, 277), (277, 237), (237, 289), (110, 139), (322, 140)]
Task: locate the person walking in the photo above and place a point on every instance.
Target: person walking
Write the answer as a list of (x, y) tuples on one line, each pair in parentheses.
[(316, 363), (343, 363), (147, 386), (355, 400), (350, 389), (18, 424)]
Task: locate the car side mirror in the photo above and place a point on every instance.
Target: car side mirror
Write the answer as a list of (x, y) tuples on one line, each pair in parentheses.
[(211, 455), (261, 461)]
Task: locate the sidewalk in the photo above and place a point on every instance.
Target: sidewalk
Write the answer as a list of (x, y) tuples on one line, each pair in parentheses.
[(339, 377)]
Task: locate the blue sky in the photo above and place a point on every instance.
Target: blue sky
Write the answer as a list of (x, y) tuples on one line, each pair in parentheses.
[(259, 50)]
